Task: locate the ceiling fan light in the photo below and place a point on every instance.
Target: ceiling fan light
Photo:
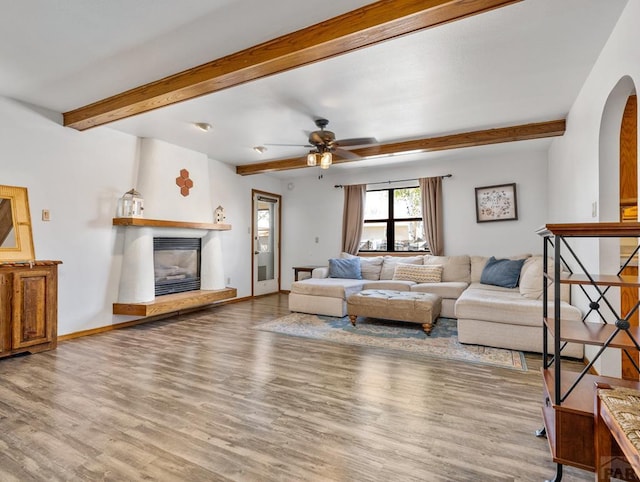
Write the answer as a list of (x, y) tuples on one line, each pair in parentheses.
[(311, 159), (325, 160)]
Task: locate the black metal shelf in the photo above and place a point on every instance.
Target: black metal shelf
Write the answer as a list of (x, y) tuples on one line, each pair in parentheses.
[(569, 396)]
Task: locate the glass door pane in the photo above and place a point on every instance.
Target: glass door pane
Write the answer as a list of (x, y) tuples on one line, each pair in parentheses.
[(265, 241)]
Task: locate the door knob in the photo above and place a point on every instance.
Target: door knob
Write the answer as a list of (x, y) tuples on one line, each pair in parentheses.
[(256, 252)]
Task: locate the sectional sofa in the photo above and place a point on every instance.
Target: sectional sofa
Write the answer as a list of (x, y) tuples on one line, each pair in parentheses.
[(487, 314)]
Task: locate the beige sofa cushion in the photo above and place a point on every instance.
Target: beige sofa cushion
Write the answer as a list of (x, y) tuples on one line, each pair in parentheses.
[(445, 289), (506, 306), (477, 265), (483, 286), (388, 284), (330, 287), (322, 272), (454, 268), (531, 276), (369, 266), (389, 264), (531, 284)]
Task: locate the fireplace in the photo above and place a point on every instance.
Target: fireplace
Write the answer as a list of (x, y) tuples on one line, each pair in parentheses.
[(176, 265)]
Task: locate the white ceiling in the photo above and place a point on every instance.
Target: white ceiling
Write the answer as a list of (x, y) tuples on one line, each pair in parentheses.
[(518, 64)]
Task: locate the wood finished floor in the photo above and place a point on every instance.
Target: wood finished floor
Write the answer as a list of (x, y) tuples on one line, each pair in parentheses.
[(204, 397)]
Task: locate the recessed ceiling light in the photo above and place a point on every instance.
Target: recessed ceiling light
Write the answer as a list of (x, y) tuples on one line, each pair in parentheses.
[(260, 149), (203, 126)]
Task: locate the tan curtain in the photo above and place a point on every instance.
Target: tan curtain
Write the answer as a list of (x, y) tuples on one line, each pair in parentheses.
[(353, 217), (431, 192)]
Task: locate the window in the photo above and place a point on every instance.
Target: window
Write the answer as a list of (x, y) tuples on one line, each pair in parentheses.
[(264, 230), (393, 221)]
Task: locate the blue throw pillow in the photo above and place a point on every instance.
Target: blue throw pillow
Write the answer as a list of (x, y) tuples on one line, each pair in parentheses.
[(345, 268), (502, 272)]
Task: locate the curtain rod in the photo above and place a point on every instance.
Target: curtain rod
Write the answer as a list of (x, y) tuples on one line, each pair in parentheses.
[(389, 182)]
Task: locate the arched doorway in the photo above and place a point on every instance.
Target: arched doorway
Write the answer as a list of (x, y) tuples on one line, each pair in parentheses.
[(629, 212), (618, 199)]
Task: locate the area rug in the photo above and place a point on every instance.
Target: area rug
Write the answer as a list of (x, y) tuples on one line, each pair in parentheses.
[(406, 337)]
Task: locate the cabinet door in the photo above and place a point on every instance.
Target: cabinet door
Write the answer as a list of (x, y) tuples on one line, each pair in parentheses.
[(34, 307), (5, 312)]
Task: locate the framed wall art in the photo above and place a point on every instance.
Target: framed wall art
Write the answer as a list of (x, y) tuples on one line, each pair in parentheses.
[(496, 203), (16, 239)]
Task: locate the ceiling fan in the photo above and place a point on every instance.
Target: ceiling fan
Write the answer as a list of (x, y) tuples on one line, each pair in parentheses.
[(324, 145)]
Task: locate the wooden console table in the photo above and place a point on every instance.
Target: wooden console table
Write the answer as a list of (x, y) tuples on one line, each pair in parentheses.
[(28, 307)]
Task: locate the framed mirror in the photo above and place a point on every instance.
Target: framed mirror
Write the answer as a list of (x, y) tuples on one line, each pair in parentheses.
[(16, 239)]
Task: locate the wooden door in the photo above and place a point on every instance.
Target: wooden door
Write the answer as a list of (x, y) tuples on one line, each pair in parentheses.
[(34, 307), (266, 242), (628, 212)]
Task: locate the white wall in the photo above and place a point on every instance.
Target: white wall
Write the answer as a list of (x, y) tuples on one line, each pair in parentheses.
[(160, 164), (313, 208), (580, 164), (574, 181), (79, 177), (233, 192)]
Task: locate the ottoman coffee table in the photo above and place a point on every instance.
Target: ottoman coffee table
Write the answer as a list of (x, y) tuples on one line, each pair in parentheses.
[(411, 306)]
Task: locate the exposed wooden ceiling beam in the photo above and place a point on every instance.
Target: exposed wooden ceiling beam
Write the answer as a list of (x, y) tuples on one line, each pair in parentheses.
[(522, 132), (366, 26)]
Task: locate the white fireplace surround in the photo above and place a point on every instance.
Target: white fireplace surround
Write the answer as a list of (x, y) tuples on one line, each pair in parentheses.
[(160, 163), (137, 280)]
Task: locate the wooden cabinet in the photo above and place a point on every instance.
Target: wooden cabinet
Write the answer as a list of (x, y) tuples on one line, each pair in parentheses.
[(28, 307), (568, 396)]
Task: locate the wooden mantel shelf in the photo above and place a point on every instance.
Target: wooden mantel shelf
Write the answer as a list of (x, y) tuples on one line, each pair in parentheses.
[(174, 302), (161, 223)]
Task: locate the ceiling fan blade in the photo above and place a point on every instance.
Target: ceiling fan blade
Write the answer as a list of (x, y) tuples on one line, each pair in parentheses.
[(290, 145), (358, 141), (345, 154)]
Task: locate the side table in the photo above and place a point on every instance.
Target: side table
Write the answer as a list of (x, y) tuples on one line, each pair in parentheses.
[(303, 269)]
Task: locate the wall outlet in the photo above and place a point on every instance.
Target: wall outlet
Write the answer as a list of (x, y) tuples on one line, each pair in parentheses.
[(317, 239), (228, 281), (46, 215), (594, 209)]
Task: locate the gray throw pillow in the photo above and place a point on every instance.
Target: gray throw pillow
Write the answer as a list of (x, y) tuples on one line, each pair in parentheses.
[(502, 272), (348, 268)]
